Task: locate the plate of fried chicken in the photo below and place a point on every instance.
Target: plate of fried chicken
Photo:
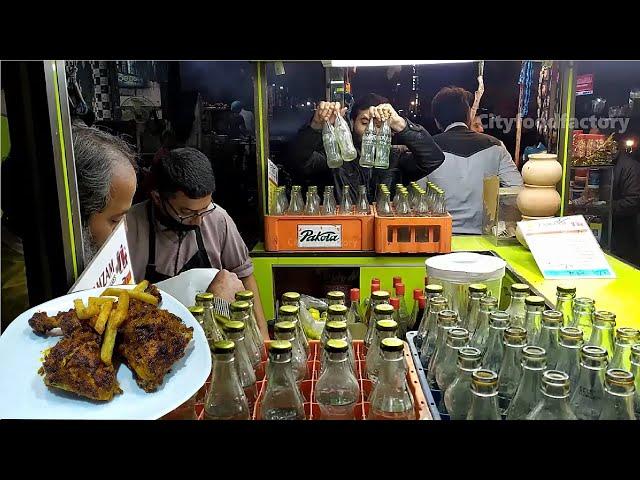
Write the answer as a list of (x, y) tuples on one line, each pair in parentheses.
[(128, 353)]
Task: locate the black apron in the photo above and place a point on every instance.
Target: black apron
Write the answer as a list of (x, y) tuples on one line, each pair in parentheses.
[(199, 260)]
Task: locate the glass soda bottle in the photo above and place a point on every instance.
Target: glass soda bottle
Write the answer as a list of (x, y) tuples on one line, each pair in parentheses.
[(528, 393), (588, 394), (354, 316), (554, 404), (331, 149), (403, 312), (296, 205), (548, 338), (516, 308), (390, 398), (430, 337), (414, 318), (494, 352), (212, 330), (276, 205), (447, 369), (198, 313), (240, 313), (470, 320), (458, 396), (383, 146), (384, 207), (293, 299), (286, 330), (569, 355), (533, 317), (447, 319), (310, 207), (619, 395), (564, 302), (635, 369), (431, 291), (625, 338), (316, 198), (385, 328), (336, 298), (583, 310), (282, 398), (422, 311), (226, 399), (337, 330), (337, 390), (368, 149), (363, 202), (515, 339), (328, 203), (377, 298), (484, 400), (252, 330), (344, 139), (235, 331), (602, 332), (479, 338), (346, 205)]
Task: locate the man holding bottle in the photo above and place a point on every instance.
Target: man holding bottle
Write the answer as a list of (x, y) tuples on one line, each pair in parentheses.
[(413, 155)]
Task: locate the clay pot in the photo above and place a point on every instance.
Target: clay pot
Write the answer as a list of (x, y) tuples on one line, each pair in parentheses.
[(542, 169), (519, 235), (538, 201)]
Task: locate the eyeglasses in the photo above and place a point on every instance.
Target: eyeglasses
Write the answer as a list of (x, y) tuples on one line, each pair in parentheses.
[(212, 206)]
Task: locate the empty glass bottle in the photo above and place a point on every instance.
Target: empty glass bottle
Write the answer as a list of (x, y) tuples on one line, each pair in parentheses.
[(516, 308), (276, 206), (528, 393), (635, 369), (377, 298), (588, 394), (226, 399), (533, 317), (515, 339), (368, 149), (447, 319), (569, 354), (354, 315), (310, 207), (363, 202), (619, 395), (286, 330), (240, 313), (422, 207), (390, 398), (484, 391), (429, 331), (602, 332), (282, 202), (479, 338), (337, 330), (383, 146), (385, 328), (346, 205), (252, 330), (282, 399), (458, 396), (446, 370), (564, 302), (431, 291), (494, 352), (344, 139), (554, 404), (548, 338), (296, 205), (235, 332), (212, 330), (470, 320), (337, 390), (583, 310), (293, 298), (384, 207), (625, 338), (331, 149)]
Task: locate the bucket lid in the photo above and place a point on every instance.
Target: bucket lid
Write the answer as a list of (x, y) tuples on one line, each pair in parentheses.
[(465, 267)]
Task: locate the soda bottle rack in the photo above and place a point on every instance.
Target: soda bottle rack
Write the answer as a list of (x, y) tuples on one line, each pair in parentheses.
[(433, 397), (312, 409)]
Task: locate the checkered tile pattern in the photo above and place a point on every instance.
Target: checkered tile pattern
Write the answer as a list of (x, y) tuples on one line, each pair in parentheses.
[(102, 91)]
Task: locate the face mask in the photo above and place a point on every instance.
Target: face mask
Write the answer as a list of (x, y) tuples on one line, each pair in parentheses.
[(171, 223)]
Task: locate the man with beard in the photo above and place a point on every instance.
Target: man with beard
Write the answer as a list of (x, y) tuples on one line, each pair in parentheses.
[(413, 155)]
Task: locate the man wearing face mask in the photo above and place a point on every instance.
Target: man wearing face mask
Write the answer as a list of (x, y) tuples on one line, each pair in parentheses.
[(413, 155), (180, 228)]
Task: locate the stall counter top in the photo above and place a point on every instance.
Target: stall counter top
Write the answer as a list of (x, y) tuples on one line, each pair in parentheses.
[(620, 295)]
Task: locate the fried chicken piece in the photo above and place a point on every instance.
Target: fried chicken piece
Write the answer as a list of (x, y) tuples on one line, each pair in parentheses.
[(67, 321), (151, 342), (74, 365)]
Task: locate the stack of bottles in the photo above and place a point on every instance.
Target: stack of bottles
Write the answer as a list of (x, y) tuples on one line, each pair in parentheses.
[(411, 202), (311, 204), (528, 362)]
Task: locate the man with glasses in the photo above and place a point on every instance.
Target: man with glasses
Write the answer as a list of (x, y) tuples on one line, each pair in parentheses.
[(180, 228)]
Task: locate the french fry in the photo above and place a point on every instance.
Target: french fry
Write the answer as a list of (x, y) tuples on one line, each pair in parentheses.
[(88, 312), (79, 307), (116, 317), (142, 296), (99, 300), (142, 286), (105, 311)]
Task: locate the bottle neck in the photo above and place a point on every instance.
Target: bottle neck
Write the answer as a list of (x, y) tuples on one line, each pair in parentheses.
[(279, 369), (392, 371), (224, 370), (619, 391), (337, 362)]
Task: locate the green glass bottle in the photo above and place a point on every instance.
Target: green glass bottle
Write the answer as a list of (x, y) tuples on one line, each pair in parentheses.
[(458, 397), (548, 338), (602, 333), (564, 302), (226, 399), (436, 305), (447, 319), (528, 393), (514, 339), (555, 398), (619, 395), (569, 354), (447, 370), (493, 354), (479, 338), (484, 391), (470, 320), (533, 317), (588, 395), (625, 338)]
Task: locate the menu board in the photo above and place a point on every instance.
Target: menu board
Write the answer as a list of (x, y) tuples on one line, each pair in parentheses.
[(565, 247)]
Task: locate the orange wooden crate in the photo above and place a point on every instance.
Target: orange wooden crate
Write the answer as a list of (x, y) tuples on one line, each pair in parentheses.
[(282, 233), (425, 234)]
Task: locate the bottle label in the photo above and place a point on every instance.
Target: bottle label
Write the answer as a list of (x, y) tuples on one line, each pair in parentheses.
[(319, 236)]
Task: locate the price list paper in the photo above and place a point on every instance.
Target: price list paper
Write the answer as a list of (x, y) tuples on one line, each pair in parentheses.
[(564, 247)]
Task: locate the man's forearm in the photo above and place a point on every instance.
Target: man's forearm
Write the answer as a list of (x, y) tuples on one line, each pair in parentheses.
[(251, 284)]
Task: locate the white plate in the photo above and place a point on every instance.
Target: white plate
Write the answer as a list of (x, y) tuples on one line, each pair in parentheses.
[(23, 393)]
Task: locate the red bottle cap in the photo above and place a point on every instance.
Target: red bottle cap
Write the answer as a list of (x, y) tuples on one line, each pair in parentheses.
[(399, 289), (416, 293), (354, 294), (422, 302), (375, 287), (395, 302), (396, 280)]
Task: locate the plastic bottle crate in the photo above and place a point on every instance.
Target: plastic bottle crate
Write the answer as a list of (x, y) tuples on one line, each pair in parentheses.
[(423, 234), (307, 386), (285, 233)]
